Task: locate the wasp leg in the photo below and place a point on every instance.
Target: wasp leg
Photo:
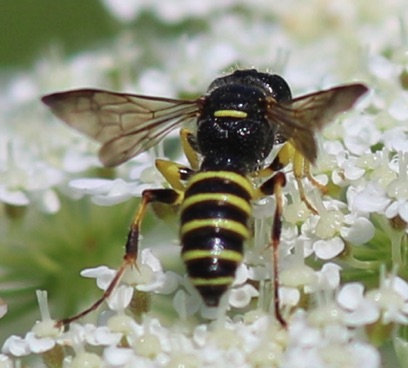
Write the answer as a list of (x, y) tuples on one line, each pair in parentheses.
[(168, 196), (274, 186), (308, 174), (301, 169), (174, 173), (282, 159), (189, 144)]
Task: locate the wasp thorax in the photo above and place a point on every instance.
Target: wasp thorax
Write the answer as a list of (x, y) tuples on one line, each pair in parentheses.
[(232, 130)]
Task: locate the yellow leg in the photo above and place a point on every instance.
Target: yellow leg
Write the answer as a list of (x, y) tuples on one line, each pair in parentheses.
[(191, 152), (174, 173), (282, 159), (301, 169), (299, 165), (307, 173), (169, 196)]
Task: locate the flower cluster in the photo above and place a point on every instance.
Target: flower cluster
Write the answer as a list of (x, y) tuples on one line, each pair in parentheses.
[(342, 258)]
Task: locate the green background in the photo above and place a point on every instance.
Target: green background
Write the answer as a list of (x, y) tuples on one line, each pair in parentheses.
[(30, 26)]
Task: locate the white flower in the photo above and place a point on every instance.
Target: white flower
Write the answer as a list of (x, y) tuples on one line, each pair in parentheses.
[(40, 339), (359, 311), (124, 10), (398, 108), (84, 359), (325, 233), (327, 249), (372, 198), (16, 346), (148, 276), (39, 344), (388, 197), (107, 192), (360, 230), (241, 297), (23, 181), (328, 346), (101, 335), (186, 302), (398, 208), (6, 362), (389, 301), (328, 278), (391, 298), (396, 139), (398, 191), (360, 134), (120, 298), (382, 67), (117, 356)]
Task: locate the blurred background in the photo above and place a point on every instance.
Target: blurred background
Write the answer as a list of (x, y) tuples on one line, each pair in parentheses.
[(29, 27)]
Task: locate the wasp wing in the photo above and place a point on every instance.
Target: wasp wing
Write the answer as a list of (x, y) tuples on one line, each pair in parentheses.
[(300, 118), (125, 124)]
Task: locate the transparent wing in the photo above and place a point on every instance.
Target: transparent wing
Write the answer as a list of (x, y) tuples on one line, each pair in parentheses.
[(300, 118), (125, 124)]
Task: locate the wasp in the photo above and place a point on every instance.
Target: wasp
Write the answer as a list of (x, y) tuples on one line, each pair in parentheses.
[(237, 122)]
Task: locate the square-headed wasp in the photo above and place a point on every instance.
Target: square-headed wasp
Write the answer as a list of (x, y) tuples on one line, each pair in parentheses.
[(238, 121)]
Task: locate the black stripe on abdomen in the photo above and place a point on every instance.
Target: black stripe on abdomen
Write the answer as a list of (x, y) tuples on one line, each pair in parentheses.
[(214, 225)]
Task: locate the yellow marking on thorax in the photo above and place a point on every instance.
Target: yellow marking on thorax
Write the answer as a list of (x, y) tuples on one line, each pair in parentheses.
[(230, 114)]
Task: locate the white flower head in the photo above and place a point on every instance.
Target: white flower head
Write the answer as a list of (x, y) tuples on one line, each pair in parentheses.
[(391, 299), (359, 310), (327, 346)]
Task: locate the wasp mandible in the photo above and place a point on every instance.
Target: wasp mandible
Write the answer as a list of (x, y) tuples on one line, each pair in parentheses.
[(238, 121)]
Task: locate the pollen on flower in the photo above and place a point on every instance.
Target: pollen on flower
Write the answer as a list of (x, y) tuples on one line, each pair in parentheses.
[(298, 275), (225, 338), (144, 275), (120, 323), (85, 359), (268, 355), (183, 360), (47, 326), (46, 329), (329, 224), (296, 212), (147, 345)]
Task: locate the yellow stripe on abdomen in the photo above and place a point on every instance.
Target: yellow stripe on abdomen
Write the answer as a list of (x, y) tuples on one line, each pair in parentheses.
[(214, 226), (217, 225)]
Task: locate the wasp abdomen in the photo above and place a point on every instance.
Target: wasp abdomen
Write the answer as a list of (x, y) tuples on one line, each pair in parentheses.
[(214, 226)]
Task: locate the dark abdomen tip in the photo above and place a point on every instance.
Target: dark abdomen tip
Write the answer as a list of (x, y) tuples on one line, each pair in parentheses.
[(212, 294)]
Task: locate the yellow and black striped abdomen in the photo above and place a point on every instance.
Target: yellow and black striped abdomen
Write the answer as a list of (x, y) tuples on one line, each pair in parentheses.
[(214, 226)]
